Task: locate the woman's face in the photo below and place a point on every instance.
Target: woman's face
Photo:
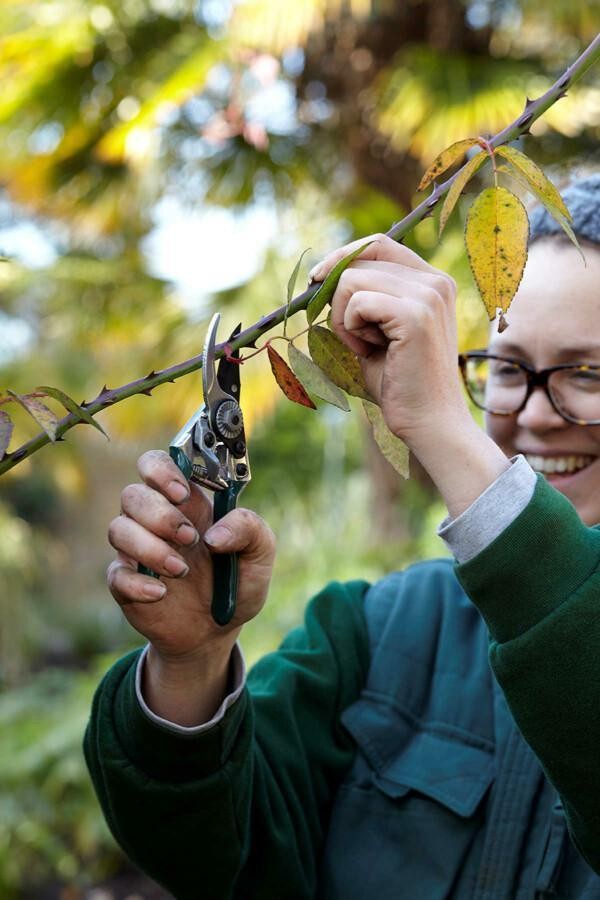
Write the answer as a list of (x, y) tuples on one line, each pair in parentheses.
[(555, 318)]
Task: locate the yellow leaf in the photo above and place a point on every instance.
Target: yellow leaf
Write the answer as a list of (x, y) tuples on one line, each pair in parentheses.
[(39, 412), (445, 159), (496, 236), (458, 186), (544, 197), (541, 186), (69, 404), (395, 451)]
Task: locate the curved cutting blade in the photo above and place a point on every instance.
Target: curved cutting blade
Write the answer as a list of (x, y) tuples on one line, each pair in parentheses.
[(209, 374)]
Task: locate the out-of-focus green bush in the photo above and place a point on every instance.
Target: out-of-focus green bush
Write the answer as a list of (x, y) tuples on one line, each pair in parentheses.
[(50, 824)]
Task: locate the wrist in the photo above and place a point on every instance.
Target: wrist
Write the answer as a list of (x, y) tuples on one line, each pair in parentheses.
[(461, 459), (187, 690)]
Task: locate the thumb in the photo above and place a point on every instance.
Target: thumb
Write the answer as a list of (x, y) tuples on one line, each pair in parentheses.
[(242, 531)]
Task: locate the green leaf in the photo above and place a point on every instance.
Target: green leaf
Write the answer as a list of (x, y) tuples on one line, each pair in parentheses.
[(496, 236), (287, 381), (38, 411), (327, 289), (553, 209), (292, 284), (6, 430), (395, 450), (338, 362), (445, 159), (73, 407), (458, 186), (315, 380)]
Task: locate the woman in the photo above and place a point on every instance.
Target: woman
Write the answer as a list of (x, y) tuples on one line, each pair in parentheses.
[(375, 754)]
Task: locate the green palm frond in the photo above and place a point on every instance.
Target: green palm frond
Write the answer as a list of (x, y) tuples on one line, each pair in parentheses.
[(426, 100)]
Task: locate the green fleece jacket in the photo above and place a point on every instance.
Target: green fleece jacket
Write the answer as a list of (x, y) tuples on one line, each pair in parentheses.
[(248, 802)]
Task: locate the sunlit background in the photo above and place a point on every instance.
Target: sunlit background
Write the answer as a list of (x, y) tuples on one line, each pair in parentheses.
[(159, 160)]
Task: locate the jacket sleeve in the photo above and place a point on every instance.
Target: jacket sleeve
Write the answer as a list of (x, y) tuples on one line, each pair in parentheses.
[(239, 810), (538, 587)]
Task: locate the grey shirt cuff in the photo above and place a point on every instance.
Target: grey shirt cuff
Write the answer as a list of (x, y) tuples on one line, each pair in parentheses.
[(238, 680), (492, 512)]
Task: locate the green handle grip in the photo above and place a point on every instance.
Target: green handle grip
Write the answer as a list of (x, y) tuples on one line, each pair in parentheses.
[(225, 565)]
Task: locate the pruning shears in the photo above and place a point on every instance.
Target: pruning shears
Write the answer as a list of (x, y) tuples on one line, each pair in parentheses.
[(211, 451)]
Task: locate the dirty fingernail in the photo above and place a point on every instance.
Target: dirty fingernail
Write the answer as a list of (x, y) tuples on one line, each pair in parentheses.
[(178, 492), (176, 566), (154, 591), (217, 536), (187, 534)]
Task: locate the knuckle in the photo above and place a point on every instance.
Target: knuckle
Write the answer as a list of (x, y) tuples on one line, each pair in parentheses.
[(113, 531), (129, 495)]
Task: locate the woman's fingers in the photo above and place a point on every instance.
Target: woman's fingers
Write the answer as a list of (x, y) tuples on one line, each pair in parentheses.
[(158, 515), (242, 531), (158, 471), (388, 282), (381, 248), (128, 586), (132, 539)]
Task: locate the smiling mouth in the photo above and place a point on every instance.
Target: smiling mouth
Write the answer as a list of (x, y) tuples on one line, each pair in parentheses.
[(558, 465)]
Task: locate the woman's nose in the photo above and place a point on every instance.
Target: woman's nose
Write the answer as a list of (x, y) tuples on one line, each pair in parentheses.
[(538, 414)]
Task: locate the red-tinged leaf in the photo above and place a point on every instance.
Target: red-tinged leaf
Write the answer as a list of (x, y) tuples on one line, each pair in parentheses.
[(71, 406), (327, 290), (38, 411), (6, 430), (458, 186), (445, 159), (287, 381)]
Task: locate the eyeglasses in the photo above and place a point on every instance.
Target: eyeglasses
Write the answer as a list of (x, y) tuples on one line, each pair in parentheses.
[(502, 386)]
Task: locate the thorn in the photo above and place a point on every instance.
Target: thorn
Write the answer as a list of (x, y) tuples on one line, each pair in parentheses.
[(147, 392), (151, 374), (528, 104), (525, 119), (561, 95), (564, 82)]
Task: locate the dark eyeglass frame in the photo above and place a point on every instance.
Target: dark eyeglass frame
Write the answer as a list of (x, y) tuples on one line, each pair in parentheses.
[(535, 378)]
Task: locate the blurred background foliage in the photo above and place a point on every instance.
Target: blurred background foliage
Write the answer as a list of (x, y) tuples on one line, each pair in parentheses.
[(160, 159)]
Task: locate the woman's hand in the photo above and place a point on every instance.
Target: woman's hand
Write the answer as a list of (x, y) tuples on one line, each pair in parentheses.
[(166, 524), (397, 313)]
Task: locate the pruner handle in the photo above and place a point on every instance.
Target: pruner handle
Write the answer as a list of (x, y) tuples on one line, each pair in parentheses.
[(225, 565)]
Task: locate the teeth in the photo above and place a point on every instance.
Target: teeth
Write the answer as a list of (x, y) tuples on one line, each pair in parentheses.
[(549, 465)]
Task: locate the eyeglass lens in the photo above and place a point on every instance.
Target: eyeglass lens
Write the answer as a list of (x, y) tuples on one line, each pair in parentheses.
[(500, 386)]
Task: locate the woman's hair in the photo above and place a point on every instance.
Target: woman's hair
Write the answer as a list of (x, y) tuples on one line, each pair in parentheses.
[(582, 197)]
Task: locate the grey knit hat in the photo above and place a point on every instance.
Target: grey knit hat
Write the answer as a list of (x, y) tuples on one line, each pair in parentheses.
[(583, 202)]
